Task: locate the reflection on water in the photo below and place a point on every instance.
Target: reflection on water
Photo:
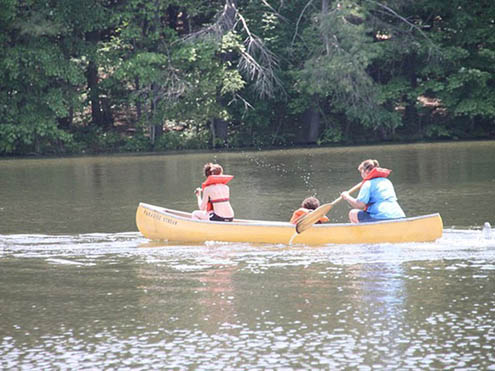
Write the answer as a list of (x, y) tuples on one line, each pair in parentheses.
[(80, 288), (120, 301)]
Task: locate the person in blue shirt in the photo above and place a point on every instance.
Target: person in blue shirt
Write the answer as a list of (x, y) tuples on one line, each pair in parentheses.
[(376, 199)]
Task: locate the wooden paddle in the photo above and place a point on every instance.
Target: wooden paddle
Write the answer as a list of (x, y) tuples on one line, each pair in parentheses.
[(309, 219)]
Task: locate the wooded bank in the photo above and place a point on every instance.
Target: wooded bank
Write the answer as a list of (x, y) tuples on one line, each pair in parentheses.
[(134, 75)]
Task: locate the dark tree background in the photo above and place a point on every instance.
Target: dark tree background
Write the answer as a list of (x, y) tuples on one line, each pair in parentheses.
[(82, 76)]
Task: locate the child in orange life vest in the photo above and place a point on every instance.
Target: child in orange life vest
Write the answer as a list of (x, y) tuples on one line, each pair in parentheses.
[(309, 204), (214, 204)]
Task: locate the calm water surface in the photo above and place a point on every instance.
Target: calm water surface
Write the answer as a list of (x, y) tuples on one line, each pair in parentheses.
[(81, 288)]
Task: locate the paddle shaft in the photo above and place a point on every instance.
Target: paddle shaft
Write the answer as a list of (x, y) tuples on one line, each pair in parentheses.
[(353, 189), (309, 219)]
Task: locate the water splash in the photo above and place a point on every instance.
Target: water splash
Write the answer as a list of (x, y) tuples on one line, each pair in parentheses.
[(88, 248), (292, 238), (487, 231), (305, 173)]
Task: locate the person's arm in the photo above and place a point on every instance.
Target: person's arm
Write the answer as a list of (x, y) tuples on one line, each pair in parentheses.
[(203, 201), (197, 192), (354, 202), (361, 200)]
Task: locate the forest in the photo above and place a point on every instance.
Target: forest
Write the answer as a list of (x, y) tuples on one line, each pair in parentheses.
[(91, 76)]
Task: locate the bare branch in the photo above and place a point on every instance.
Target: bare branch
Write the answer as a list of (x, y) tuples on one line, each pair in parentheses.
[(169, 89), (273, 10), (225, 21), (412, 25), (298, 21), (247, 105), (262, 72), (256, 61), (395, 14)]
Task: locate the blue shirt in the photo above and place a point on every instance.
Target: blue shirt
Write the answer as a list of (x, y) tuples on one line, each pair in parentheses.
[(379, 195)]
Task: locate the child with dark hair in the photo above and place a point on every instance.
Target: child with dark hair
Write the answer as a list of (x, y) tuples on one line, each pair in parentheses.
[(309, 204)]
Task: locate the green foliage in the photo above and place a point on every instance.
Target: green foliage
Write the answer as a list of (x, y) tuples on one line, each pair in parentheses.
[(331, 135), (139, 142), (94, 140), (177, 140), (337, 70), (75, 73), (439, 131), (171, 140)]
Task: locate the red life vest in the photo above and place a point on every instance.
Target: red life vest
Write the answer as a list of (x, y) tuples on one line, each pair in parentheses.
[(299, 213), (376, 172), (212, 180), (216, 179)]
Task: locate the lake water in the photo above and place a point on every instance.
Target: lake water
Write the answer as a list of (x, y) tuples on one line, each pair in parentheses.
[(81, 288)]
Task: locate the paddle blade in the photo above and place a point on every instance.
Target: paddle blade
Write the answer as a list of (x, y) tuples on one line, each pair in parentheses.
[(309, 219)]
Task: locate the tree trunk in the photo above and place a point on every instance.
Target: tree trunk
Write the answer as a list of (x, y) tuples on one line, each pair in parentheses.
[(213, 134), (347, 130), (65, 123), (411, 117), (172, 14), (230, 12), (156, 127), (313, 123), (138, 102), (92, 79), (219, 130), (324, 10), (94, 96), (106, 113), (309, 130)]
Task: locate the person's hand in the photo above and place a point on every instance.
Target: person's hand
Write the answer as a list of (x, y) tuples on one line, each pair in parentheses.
[(345, 195), (197, 191)]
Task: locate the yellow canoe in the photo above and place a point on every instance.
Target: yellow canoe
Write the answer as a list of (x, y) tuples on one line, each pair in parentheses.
[(158, 223)]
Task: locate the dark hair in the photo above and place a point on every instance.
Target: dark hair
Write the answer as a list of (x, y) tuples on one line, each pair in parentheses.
[(368, 165), (212, 169), (311, 203)]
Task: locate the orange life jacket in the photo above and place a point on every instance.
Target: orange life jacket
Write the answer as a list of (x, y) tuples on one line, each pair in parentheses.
[(377, 172), (212, 180), (299, 213), (216, 179)]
